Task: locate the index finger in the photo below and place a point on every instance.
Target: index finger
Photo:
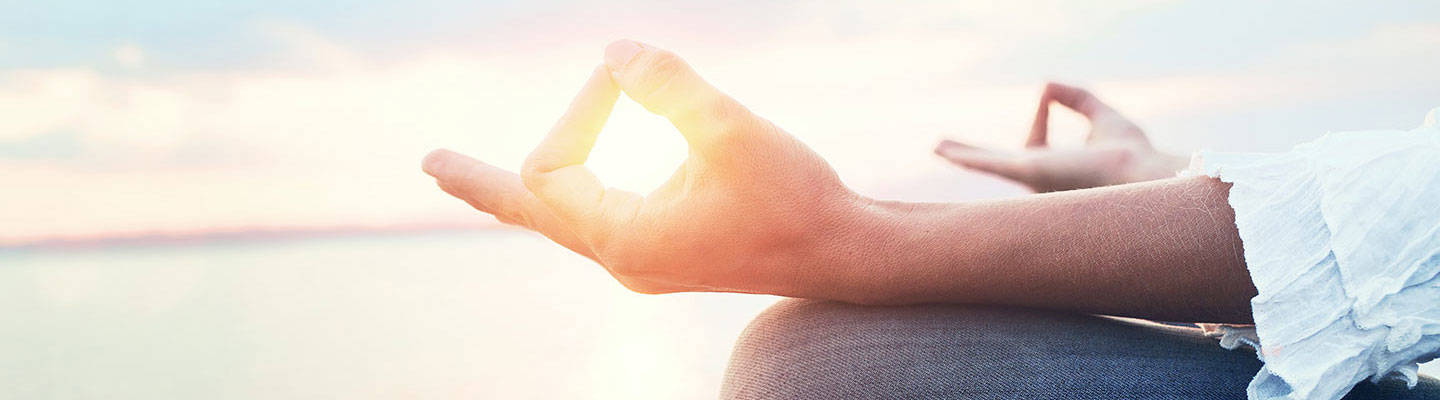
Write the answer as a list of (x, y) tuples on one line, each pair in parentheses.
[(1074, 98), (666, 85), (555, 171), (570, 140)]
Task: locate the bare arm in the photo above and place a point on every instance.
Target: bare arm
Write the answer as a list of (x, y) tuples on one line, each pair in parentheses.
[(1165, 249), (753, 210), (1150, 245)]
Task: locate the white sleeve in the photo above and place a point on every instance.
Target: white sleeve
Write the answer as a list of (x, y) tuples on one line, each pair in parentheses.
[(1342, 240)]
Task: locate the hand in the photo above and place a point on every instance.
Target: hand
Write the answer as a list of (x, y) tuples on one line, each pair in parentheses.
[(1115, 152), (751, 210)]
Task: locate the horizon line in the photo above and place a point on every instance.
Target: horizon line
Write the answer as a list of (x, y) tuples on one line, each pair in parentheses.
[(238, 233)]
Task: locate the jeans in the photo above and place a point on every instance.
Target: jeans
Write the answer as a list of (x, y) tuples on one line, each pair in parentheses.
[(805, 349)]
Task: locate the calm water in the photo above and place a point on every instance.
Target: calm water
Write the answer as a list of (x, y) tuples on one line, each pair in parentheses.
[(496, 314), (491, 314)]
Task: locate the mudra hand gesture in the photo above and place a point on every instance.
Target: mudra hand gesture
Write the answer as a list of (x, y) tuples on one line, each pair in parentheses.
[(750, 210), (1116, 150)]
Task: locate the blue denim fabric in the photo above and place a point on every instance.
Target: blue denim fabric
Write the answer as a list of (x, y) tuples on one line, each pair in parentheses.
[(802, 349)]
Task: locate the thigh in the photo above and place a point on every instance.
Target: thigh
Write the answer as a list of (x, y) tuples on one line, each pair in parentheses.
[(812, 349)]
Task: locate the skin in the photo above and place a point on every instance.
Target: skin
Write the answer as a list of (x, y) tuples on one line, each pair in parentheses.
[(1116, 150), (753, 210)]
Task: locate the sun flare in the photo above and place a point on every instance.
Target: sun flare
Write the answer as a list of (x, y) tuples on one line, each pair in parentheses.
[(637, 150)]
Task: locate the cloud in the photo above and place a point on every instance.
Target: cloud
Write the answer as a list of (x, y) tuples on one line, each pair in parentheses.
[(57, 145), (116, 119), (335, 142), (303, 44), (128, 55), (334, 133)]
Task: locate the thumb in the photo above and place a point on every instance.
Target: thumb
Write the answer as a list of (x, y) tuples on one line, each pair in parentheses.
[(555, 171)]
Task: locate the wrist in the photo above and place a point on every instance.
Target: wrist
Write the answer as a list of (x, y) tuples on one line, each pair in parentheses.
[(891, 252), (840, 261)]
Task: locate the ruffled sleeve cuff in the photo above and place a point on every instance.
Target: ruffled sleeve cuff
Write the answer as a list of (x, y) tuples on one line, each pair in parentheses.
[(1342, 240)]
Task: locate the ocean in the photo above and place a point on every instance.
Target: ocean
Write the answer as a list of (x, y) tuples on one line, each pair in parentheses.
[(484, 314), (488, 314)]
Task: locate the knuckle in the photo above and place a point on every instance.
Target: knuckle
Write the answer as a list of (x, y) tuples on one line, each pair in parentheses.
[(1086, 101), (1059, 91), (625, 269), (1062, 91), (725, 114), (628, 263), (507, 219), (718, 113), (533, 175), (465, 189), (510, 212), (659, 70), (533, 166), (741, 138), (727, 125)]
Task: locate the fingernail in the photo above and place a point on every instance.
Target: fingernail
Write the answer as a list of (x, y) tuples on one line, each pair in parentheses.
[(619, 53), (944, 145), (434, 162)]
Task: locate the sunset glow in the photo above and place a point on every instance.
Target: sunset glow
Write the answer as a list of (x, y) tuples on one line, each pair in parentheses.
[(324, 127), (226, 199)]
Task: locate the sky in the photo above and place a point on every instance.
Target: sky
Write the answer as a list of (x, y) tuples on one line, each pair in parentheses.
[(118, 118)]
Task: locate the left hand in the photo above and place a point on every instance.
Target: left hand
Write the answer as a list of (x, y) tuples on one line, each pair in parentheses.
[(1116, 150)]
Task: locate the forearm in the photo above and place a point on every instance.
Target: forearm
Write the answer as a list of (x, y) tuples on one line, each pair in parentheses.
[(1165, 250)]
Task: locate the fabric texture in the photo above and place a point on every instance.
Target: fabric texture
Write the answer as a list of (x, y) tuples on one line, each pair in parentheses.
[(807, 349), (1342, 239)]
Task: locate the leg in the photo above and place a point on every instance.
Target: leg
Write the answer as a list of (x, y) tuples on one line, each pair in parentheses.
[(810, 349)]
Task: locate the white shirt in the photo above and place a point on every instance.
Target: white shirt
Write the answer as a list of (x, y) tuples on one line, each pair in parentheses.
[(1342, 240)]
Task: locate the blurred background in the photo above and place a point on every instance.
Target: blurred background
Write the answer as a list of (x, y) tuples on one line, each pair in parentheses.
[(223, 199)]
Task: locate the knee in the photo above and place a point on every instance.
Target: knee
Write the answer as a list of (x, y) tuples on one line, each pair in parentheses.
[(775, 351), (792, 321), (818, 349)]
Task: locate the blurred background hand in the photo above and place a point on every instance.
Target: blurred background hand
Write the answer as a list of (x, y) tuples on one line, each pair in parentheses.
[(1116, 150)]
